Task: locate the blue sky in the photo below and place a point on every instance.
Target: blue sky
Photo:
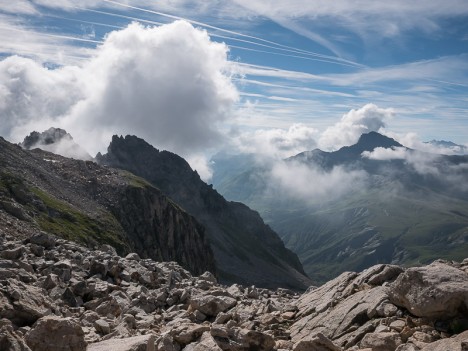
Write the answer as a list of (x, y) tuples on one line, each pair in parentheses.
[(294, 63)]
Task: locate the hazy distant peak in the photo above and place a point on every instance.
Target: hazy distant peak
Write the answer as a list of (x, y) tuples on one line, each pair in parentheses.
[(442, 143), (448, 147), (57, 141)]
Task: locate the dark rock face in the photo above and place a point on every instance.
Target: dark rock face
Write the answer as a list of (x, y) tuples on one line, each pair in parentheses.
[(246, 250), (145, 215), (85, 202)]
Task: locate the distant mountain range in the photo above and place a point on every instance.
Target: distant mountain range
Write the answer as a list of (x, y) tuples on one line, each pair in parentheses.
[(449, 146), (388, 204)]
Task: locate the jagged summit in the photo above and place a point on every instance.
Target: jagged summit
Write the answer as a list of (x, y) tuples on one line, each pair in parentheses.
[(370, 141), (57, 141), (246, 250), (49, 136), (136, 151)]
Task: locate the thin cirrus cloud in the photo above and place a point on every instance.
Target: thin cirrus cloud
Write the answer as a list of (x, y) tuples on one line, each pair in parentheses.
[(388, 19), (291, 85)]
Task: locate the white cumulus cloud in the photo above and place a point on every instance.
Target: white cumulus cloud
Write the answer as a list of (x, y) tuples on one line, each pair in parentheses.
[(369, 118), (169, 85), (277, 142), (386, 154)]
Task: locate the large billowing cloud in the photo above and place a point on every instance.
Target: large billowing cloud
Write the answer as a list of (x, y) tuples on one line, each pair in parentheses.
[(167, 84), (278, 143), (369, 118)]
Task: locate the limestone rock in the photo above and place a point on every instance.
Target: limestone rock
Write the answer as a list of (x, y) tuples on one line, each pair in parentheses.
[(187, 333), (206, 343), (53, 333), (136, 343), (381, 341), (317, 342), (435, 291), (28, 303), (255, 340), (456, 343), (212, 305)]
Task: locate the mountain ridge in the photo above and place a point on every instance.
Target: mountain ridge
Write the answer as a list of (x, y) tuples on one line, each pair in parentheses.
[(241, 241), (94, 205)]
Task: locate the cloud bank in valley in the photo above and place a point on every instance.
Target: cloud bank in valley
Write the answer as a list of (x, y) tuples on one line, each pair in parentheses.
[(169, 85), (311, 184)]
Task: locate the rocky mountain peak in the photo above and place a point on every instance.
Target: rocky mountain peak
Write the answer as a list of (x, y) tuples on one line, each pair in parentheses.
[(372, 140), (132, 150), (246, 250), (49, 136), (57, 141)]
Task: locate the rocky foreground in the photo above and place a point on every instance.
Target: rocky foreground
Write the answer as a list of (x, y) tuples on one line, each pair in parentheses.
[(56, 295)]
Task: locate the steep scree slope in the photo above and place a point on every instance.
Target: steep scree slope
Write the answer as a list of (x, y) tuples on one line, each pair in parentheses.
[(82, 201)]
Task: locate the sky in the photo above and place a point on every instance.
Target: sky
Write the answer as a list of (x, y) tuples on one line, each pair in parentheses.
[(194, 77)]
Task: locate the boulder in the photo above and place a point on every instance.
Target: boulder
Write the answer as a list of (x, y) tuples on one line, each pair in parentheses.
[(136, 343), (435, 291), (208, 276), (11, 341), (317, 342), (102, 326), (12, 254), (206, 343), (28, 304), (344, 321), (235, 339), (133, 256), (385, 341), (54, 333), (456, 343), (255, 340), (212, 305), (166, 343), (42, 239), (187, 333)]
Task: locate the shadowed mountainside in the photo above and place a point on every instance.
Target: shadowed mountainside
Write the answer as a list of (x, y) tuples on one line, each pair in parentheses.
[(82, 201), (245, 249)]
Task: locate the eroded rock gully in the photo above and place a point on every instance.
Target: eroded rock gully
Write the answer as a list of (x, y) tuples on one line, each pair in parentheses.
[(57, 295)]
